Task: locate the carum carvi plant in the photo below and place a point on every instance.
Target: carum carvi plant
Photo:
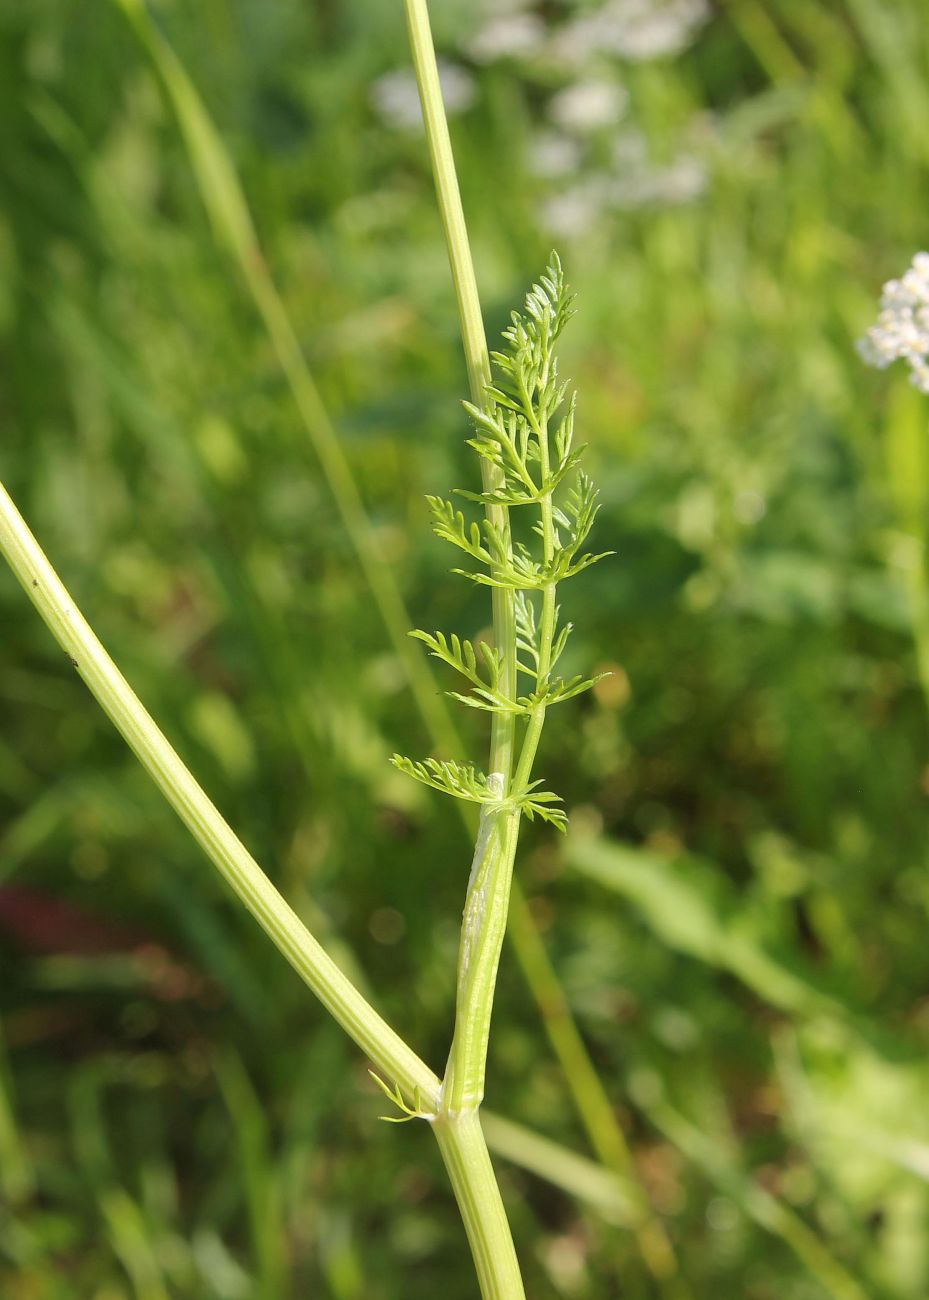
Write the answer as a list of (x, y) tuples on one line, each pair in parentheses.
[(538, 510), (524, 435)]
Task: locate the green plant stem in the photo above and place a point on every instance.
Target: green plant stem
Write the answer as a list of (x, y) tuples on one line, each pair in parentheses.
[(482, 929), (464, 1151), (477, 360), (227, 853), (474, 343), (487, 901), (465, 1072)]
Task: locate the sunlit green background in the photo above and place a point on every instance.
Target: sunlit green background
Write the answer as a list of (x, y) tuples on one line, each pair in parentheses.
[(739, 917)]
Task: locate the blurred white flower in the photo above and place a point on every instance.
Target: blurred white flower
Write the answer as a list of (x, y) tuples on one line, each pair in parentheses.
[(630, 150), (681, 181), (458, 88), (552, 154), (638, 182), (507, 36), (395, 95), (902, 329), (654, 31), (588, 105), (574, 211), (633, 29), (749, 507)]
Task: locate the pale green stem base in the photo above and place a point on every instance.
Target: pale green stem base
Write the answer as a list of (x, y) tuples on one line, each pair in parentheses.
[(483, 927), (464, 1151)]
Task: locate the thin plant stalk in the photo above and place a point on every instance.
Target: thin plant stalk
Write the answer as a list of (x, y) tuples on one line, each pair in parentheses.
[(487, 903), (474, 343), (464, 1153), (214, 835)]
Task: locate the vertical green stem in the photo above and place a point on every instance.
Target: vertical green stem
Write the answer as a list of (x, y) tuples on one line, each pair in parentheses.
[(464, 1151), (484, 924), (482, 930), (487, 903), (473, 337)]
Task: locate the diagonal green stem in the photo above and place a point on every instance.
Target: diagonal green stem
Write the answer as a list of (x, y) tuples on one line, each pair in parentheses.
[(227, 853)]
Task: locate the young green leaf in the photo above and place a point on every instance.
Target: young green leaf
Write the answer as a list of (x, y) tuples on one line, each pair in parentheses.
[(491, 701), (539, 804), (460, 780), (559, 690), (527, 635), (451, 525), (394, 1095), (462, 656)]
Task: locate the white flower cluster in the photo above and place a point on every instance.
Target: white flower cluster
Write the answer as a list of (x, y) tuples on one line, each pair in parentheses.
[(633, 180), (508, 36), (588, 151), (637, 30), (575, 208), (592, 153), (902, 329), (588, 105)]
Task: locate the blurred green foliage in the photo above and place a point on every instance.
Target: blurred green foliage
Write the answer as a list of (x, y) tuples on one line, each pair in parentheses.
[(739, 916)]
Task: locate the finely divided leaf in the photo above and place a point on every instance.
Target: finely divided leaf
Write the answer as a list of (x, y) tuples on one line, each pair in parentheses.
[(451, 525), (462, 656), (460, 780)]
